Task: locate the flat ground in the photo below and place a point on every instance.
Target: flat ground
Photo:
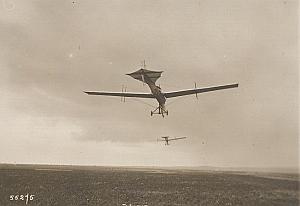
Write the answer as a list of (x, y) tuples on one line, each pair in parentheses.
[(120, 186)]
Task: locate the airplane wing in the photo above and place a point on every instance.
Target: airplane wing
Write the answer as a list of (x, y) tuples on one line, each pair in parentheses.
[(122, 94), (177, 138), (198, 90)]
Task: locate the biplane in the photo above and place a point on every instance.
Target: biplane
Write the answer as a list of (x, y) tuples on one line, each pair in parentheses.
[(150, 77), (166, 139)]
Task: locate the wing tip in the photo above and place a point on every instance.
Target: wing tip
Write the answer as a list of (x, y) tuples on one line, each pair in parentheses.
[(88, 93)]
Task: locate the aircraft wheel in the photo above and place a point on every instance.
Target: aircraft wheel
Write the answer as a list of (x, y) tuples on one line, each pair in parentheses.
[(167, 112), (151, 113)]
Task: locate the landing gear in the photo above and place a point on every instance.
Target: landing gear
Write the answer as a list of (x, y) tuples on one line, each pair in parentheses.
[(160, 110)]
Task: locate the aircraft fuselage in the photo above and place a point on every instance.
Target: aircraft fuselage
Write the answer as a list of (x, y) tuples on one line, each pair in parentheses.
[(156, 91), (159, 96)]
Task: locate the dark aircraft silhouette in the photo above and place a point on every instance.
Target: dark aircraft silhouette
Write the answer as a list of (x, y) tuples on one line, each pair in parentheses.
[(166, 139), (150, 77)]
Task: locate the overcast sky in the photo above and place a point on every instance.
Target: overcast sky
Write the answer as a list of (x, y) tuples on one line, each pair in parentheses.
[(52, 50)]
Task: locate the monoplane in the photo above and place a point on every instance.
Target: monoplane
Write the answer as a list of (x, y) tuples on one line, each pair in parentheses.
[(150, 77), (167, 139)]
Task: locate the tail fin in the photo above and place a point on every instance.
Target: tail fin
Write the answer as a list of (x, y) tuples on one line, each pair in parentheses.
[(144, 75)]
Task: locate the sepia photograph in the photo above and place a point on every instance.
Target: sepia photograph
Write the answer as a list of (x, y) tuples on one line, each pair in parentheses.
[(149, 103)]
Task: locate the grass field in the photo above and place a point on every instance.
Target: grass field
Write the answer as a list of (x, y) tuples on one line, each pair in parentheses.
[(54, 185)]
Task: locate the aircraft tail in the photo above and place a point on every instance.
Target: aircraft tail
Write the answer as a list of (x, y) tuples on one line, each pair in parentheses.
[(145, 75)]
